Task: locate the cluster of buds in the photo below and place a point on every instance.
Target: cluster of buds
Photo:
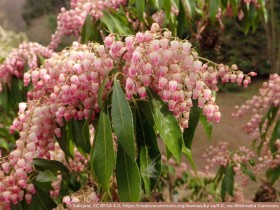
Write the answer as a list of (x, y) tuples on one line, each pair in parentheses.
[(71, 21), (221, 156), (85, 194), (66, 87), (26, 54), (267, 160), (259, 105), (174, 70)]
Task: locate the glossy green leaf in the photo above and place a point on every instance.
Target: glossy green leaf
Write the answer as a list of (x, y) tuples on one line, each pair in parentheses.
[(45, 176), (234, 6), (182, 20), (190, 6), (51, 165), (167, 8), (166, 124), (228, 182), (100, 94), (122, 120), (193, 121), (81, 135), (128, 177), (103, 157), (114, 24), (273, 174), (248, 172), (207, 126), (66, 140), (41, 200), (189, 156), (149, 155), (140, 8), (213, 7), (274, 137)]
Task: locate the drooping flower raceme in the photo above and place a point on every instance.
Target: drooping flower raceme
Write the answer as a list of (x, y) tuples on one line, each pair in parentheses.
[(70, 22), (259, 105), (26, 54), (65, 87)]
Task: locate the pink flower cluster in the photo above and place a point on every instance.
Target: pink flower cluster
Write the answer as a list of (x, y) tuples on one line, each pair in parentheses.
[(174, 70), (267, 160), (221, 156), (71, 21), (26, 54), (66, 87), (258, 105)]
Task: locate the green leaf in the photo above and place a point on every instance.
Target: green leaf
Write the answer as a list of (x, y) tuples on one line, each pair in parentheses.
[(234, 6), (274, 137), (224, 3), (248, 172), (4, 144), (81, 135), (182, 20), (128, 177), (193, 121), (228, 182), (189, 156), (114, 24), (273, 174), (190, 6), (140, 8), (207, 126), (214, 6), (149, 155), (45, 176), (103, 158), (167, 8), (40, 201), (166, 124), (122, 120), (66, 140), (51, 165), (100, 94)]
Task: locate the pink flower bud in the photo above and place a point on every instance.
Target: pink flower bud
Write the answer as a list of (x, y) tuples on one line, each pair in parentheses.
[(66, 200), (174, 45), (74, 79), (162, 82), (172, 85), (153, 58), (252, 74), (6, 167), (142, 92), (21, 163), (28, 198), (139, 37), (30, 188), (207, 94), (186, 47), (129, 40), (33, 137), (129, 83), (57, 132), (109, 40), (164, 43), (20, 173), (217, 116), (136, 57), (6, 196), (14, 198), (155, 27), (196, 66), (147, 69)]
